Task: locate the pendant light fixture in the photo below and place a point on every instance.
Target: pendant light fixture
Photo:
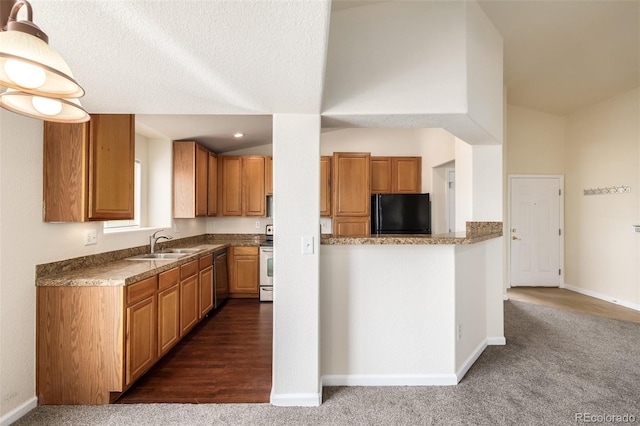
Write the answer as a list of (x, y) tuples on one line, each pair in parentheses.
[(40, 83)]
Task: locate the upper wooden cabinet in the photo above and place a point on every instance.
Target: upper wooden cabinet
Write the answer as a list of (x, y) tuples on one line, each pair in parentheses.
[(351, 183), (230, 185), (396, 175), (253, 186), (325, 186), (212, 199), (241, 185), (190, 179), (89, 169), (380, 175), (268, 176)]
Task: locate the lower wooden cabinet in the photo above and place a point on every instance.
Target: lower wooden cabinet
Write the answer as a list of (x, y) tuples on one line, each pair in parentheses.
[(189, 304), (351, 226), (206, 285), (168, 310), (244, 272), (141, 342), (94, 342)]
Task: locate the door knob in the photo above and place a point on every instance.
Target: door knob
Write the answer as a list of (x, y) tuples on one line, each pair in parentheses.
[(515, 238)]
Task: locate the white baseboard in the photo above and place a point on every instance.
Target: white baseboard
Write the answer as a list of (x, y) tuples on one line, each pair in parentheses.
[(296, 399), (18, 412), (389, 380), (606, 298), (470, 360), (496, 341)]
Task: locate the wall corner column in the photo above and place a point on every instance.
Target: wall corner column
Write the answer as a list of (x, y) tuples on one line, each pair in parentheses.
[(296, 320)]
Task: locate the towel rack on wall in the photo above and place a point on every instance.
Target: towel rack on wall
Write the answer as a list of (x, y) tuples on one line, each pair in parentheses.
[(609, 190)]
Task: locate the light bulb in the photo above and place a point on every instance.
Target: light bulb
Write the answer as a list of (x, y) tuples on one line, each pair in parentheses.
[(46, 106), (24, 74)]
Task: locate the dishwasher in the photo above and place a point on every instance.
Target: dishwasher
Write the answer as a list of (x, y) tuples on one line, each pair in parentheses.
[(220, 277)]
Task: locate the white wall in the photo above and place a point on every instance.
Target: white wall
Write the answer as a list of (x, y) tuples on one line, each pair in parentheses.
[(470, 309), (603, 150), (27, 241), (484, 72), (296, 318), (387, 314), (406, 57), (536, 142), (415, 65)]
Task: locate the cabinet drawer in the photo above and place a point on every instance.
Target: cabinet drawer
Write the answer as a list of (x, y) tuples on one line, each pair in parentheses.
[(169, 278), (245, 250), (188, 269), (141, 290), (205, 261)]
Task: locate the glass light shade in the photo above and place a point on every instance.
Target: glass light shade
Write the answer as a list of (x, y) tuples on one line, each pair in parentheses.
[(29, 50), (43, 108)]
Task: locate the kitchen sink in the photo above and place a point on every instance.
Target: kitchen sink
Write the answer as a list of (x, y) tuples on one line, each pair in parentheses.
[(158, 256), (182, 250)]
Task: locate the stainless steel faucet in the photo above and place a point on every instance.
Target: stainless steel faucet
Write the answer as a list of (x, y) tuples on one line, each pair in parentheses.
[(153, 239)]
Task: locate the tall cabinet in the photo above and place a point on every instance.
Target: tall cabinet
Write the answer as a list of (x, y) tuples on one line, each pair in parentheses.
[(89, 169), (190, 179), (351, 185)]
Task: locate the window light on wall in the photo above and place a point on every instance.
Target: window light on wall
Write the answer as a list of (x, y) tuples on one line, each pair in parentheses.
[(38, 81)]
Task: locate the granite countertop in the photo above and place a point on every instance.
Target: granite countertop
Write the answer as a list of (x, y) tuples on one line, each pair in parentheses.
[(475, 233), (113, 268), (121, 272)]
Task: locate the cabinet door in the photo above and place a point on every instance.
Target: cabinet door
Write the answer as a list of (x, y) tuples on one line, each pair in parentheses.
[(205, 265), (245, 272), (253, 188), (111, 166), (381, 175), (66, 162), (212, 198), (168, 319), (189, 307), (268, 176), (351, 184), (230, 185), (140, 338), (325, 186), (351, 226), (202, 180), (407, 175)]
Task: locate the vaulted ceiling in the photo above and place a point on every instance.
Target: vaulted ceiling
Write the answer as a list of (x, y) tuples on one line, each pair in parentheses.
[(253, 57)]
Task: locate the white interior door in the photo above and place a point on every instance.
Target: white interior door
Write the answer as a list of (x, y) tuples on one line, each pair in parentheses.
[(451, 200), (535, 231)]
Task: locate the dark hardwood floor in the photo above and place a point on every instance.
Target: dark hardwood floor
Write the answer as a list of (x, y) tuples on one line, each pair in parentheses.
[(225, 359)]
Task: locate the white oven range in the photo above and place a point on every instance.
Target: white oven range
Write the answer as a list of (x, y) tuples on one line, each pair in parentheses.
[(266, 267)]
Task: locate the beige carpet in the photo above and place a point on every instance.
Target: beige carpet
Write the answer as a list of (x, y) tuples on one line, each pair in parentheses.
[(557, 364)]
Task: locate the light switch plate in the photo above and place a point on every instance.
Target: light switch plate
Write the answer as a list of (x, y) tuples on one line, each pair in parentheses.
[(307, 245)]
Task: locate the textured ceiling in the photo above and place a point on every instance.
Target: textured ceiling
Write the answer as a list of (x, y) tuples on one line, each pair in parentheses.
[(257, 57)]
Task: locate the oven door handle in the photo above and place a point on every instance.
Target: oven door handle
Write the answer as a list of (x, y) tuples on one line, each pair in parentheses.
[(267, 249)]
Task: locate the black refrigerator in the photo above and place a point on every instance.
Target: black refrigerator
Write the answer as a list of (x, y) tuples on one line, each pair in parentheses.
[(400, 214)]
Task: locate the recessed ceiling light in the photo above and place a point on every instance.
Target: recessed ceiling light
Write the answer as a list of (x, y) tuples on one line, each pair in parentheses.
[(238, 135)]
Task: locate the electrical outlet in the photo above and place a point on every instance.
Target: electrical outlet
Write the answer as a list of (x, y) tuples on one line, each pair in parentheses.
[(176, 229), (459, 331), (257, 224), (90, 237), (325, 226)]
